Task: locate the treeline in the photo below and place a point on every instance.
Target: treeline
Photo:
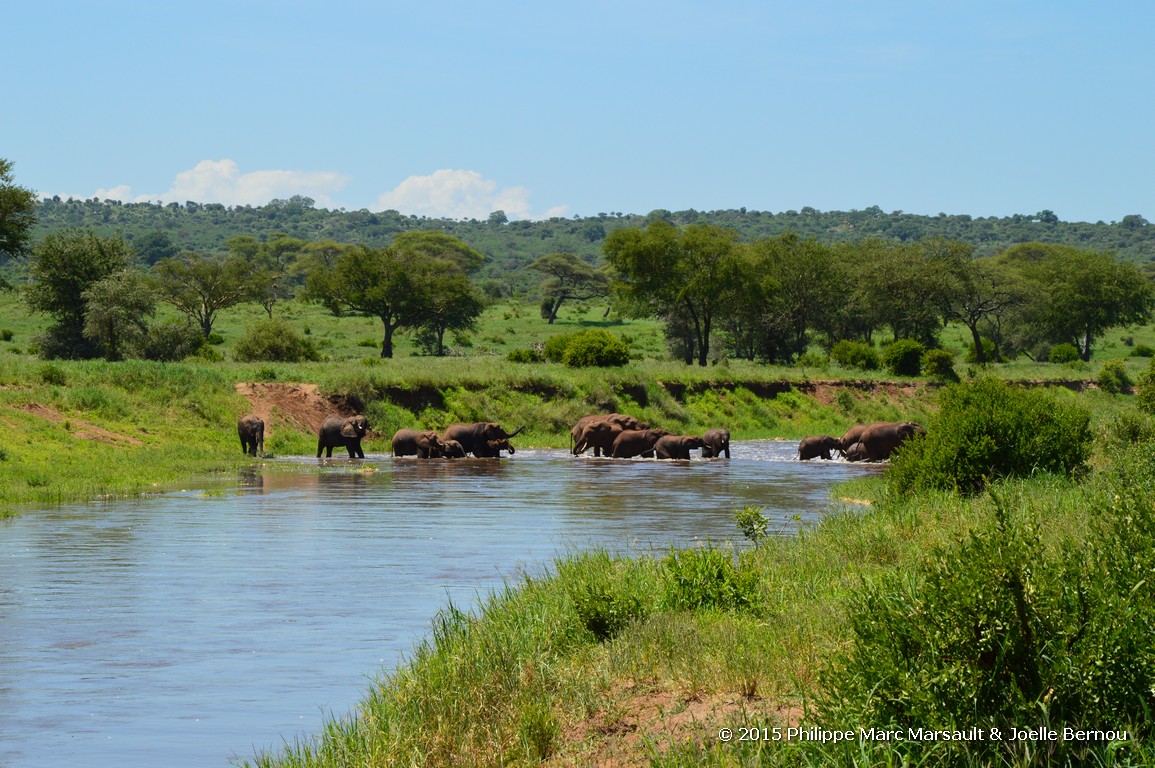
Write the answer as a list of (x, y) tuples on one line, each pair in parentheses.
[(157, 230), (772, 298)]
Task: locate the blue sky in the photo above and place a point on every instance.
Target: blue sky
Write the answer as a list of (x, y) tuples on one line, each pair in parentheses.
[(541, 109)]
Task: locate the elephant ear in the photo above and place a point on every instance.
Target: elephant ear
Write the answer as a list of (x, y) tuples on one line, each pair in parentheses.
[(347, 429)]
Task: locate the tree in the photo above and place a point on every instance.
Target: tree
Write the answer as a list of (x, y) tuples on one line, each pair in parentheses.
[(568, 278), (17, 214), (64, 266), (154, 246), (117, 310), (453, 304), (688, 277), (273, 262), (375, 282), (200, 287), (985, 293), (1074, 296)]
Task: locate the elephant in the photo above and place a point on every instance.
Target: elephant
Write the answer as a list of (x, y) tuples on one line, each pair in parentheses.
[(622, 420), (717, 442), (345, 431), (600, 436), (493, 449), (451, 449), (818, 445), (852, 436), (881, 439), (636, 442), (425, 443), (678, 446), (252, 433), (855, 453), (474, 438)]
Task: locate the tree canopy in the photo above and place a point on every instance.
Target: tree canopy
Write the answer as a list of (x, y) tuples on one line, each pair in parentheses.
[(18, 208)]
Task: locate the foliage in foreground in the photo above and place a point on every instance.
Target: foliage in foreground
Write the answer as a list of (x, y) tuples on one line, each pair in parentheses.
[(1001, 631)]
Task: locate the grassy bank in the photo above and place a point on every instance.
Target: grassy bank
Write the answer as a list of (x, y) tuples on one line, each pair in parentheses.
[(80, 431), (644, 661)]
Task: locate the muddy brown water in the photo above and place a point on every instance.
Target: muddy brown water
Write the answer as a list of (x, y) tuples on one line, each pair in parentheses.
[(200, 627)]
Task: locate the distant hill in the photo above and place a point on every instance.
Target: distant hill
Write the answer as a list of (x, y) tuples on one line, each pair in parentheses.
[(511, 245)]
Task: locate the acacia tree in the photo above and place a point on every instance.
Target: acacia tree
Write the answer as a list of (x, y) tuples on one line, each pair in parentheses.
[(375, 282), (568, 278), (201, 287), (65, 265), (1074, 295), (17, 213), (985, 293), (118, 310), (690, 278)]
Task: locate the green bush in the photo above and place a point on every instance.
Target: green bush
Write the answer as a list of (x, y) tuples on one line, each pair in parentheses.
[(904, 357), (274, 341), (1063, 353), (1145, 389), (939, 364), (555, 347), (990, 429), (168, 342), (608, 595), (1142, 350), (596, 348), (524, 356), (706, 578), (1113, 377), (855, 354), (1001, 631)]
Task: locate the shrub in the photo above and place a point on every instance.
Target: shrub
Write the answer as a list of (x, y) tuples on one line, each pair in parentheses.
[(939, 364), (168, 342), (904, 357), (555, 346), (6, 334), (596, 347), (704, 578), (1145, 389), (53, 375), (524, 356), (1063, 353), (990, 429), (1001, 631), (855, 354), (1142, 350), (607, 595), (274, 341), (1113, 377)]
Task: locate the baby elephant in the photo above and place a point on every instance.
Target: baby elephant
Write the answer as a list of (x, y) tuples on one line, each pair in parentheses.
[(818, 446), (677, 446), (252, 433), (424, 444)]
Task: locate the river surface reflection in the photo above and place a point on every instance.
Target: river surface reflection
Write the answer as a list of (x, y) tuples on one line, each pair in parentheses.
[(197, 628)]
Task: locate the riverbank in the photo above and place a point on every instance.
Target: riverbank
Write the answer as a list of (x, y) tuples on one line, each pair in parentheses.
[(708, 657), (89, 431)]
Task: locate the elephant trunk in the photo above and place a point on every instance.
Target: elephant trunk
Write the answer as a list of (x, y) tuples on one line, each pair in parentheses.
[(514, 432)]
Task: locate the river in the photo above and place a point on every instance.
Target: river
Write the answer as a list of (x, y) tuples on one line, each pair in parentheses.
[(199, 627)]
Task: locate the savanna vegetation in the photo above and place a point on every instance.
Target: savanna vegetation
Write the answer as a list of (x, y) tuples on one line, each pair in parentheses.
[(999, 578)]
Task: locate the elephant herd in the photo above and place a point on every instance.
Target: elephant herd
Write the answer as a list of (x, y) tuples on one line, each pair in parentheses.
[(862, 442), (620, 436), (483, 439), (614, 435)]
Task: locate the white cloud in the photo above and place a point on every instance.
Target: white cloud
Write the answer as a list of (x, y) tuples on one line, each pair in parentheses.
[(221, 181), (455, 194)]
